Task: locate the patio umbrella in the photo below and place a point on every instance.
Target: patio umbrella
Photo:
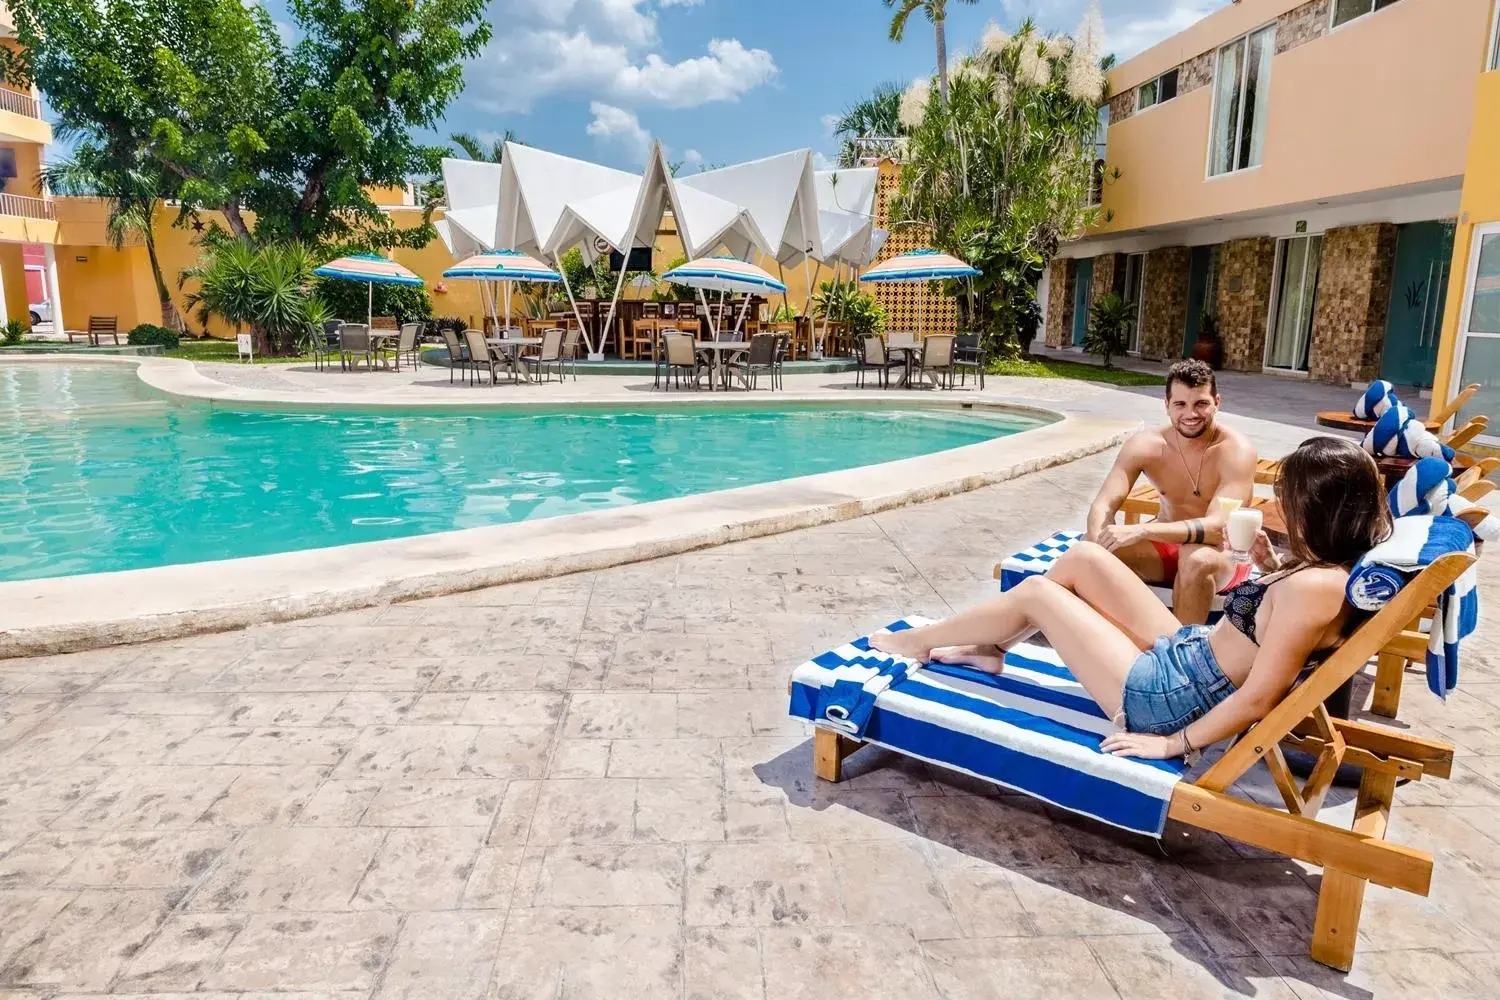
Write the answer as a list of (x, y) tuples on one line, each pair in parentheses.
[(503, 265), (724, 274), (372, 269), (919, 265)]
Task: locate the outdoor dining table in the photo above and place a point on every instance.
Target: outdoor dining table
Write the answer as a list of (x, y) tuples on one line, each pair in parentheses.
[(909, 355), (1345, 421), (512, 346), (721, 352), (378, 339)]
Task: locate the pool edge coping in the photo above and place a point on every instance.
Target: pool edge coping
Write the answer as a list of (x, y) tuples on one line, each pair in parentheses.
[(173, 601)]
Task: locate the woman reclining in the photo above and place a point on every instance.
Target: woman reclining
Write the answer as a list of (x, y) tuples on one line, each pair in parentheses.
[(1175, 689)]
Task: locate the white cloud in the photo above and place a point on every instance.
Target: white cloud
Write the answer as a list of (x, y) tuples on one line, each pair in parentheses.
[(1130, 37), (692, 158), (608, 48), (681, 3), (829, 121), (823, 162), (621, 127)]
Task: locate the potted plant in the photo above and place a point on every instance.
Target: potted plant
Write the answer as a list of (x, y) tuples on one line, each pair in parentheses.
[(1208, 348)]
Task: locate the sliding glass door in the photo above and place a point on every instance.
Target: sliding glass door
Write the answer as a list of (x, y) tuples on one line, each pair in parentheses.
[(1287, 340), (1479, 332), (1134, 294)]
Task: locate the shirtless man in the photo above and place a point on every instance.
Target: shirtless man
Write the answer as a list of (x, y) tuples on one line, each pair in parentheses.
[(1192, 462)]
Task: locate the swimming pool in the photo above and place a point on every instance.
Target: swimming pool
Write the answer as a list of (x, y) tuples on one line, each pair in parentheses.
[(100, 472)]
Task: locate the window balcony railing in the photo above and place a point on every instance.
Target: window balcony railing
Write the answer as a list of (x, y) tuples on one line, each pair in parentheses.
[(26, 207), (877, 147), (19, 103)]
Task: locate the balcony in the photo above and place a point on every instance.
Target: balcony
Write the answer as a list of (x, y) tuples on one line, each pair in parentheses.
[(21, 118), (18, 103), (26, 207)]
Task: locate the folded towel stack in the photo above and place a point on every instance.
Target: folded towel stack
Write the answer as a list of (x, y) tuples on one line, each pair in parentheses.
[(847, 703), (1428, 488), (1417, 541), (1378, 396)]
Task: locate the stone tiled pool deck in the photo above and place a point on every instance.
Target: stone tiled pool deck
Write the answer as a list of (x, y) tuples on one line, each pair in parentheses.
[(588, 787)]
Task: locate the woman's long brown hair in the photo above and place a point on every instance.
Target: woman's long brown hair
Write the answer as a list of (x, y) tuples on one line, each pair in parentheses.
[(1333, 501)]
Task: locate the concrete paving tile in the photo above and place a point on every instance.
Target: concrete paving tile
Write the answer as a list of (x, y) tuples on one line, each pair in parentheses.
[(463, 802), (492, 882), (278, 710), (579, 759), (574, 952), (811, 963), (299, 746), (85, 943), (607, 715), (612, 875), (148, 860), (1010, 832), (339, 802), (306, 951), (143, 798), (419, 869), (983, 969), (264, 796), (185, 949), (757, 885), (723, 963), (588, 810), (1148, 966), (291, 868), (1270, 902), (893, 883), (509, 752), (443, 956), (408, 752), (541, 709), (679, 810)]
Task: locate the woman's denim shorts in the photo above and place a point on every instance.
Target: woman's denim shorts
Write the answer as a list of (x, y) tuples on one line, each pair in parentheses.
[(1174, 683)]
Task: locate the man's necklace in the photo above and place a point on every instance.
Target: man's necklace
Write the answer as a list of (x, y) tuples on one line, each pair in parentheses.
[(1203, 458)]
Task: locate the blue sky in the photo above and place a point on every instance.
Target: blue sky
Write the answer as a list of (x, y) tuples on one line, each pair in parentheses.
[(727, 80)]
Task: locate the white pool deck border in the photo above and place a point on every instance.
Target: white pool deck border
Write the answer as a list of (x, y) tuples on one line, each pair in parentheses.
[(63, 614)]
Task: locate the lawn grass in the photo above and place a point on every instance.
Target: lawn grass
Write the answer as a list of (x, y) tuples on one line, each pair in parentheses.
[(1050, 368), (213, 349)]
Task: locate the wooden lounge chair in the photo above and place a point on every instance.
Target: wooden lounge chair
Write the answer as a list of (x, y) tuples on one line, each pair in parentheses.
[(1267, 469), (1350, 858)]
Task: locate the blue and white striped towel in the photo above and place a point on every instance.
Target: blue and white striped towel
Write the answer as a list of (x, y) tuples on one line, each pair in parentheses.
[(1377, 397), (1428, 488), (1416, 542), (1032, 728), (1399, 434), (846, 703)]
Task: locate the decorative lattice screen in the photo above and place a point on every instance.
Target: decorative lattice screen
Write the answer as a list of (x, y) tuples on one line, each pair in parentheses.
[(911, 305)]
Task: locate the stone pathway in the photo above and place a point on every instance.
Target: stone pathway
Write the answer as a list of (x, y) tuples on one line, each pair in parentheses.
[(588, 788)]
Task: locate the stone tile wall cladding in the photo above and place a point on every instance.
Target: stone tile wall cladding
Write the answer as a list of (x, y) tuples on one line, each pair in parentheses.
[(1246, 271), (1164, 312), (1109, 275), (1062, 273), (1297, 26), (1354, 291)]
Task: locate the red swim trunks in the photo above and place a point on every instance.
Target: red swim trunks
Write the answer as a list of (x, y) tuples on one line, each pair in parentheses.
[(1168, 551)]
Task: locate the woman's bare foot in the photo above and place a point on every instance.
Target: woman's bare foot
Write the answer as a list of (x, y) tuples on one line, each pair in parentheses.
[(989, 657), (906, 643)]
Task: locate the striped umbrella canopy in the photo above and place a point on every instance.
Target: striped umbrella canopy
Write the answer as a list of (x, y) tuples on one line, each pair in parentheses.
[(502, 265), (724, 274), (920, 265), (372, 269)]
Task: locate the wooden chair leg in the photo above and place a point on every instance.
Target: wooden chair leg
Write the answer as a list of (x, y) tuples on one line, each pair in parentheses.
[(1390, 669), (1342, 896), (829, 752)]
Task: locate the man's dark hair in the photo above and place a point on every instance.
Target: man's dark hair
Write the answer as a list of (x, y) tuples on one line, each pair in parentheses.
[(1193, 374)]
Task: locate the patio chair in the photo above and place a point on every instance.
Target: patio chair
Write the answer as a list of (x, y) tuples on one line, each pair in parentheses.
[(572, 340), (1267, 470), (936, 356), (875, 357), (99, 326), (1034, 730), (680, 355), (321, 350), (354, 347), (761, 357), (458, 352), (481, 357), (550, 356), (783, 346), (969, 355), (405, 346), (384, 323)]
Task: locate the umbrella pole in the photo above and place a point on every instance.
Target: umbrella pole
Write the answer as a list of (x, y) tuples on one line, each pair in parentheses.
[(807, 306), (588, 341), (507, 308), (786, 295), (369, 305), (713, 328)]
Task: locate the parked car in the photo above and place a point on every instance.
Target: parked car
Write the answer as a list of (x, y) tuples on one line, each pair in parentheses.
[(41, 312)]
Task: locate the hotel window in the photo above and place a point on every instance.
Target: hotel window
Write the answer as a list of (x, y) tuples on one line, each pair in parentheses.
[(1242, 90), (1101, 150), (1495, 41), (1347, 10), (1158, 91)]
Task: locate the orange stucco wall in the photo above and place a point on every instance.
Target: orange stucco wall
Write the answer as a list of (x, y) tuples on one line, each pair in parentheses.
[(1383, 101)]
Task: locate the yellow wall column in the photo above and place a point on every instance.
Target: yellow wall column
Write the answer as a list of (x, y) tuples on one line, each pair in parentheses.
[(13, 278)]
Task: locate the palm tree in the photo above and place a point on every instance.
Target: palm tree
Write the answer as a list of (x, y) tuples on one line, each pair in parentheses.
[(133, 193), (937, 12), (474, 148), (875, 116)]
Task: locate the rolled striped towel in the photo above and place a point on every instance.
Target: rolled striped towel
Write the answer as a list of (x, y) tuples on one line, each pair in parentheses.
[(1416, 542), (1399, 434), (1378, 396), (1426, 488), (846, 703)]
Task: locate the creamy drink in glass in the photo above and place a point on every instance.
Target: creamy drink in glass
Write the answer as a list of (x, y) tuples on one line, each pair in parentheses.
[(1244, 524)]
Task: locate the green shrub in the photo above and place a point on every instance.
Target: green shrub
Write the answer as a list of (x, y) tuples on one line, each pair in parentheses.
[(350, 302), (14, 332), (1110, 322), (148, 334)]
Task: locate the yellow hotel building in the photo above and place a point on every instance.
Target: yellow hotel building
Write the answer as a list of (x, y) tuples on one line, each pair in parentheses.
[(1320, 180), (26, 216)]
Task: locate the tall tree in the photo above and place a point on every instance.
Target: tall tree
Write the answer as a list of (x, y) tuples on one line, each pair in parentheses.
[(211, 94), (1000, 174), (474, 148), (874, 116), (134, 193), (936, 12)]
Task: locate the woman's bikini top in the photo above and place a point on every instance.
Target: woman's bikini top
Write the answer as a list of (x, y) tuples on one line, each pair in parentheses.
[(1242, 604)]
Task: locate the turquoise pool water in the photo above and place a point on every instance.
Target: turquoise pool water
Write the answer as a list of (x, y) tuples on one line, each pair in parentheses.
[(99, 472)]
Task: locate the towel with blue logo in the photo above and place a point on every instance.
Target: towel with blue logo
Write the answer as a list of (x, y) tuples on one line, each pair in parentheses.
[(1416, 542)]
